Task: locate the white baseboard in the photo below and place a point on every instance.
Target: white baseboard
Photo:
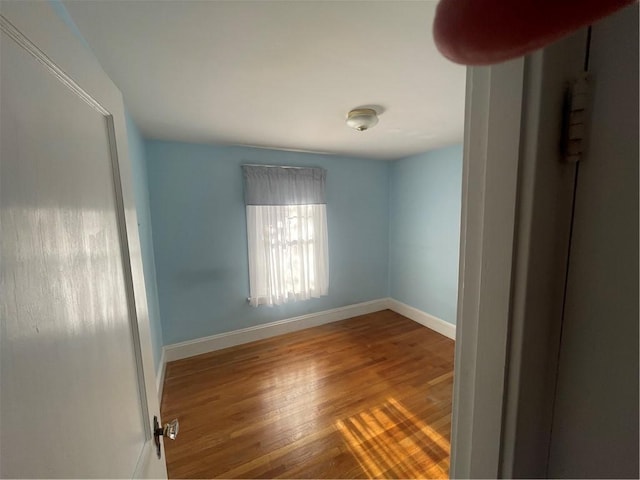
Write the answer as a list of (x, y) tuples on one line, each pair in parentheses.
[(212, 343), (160, 377), (190, 348), (434, 323)]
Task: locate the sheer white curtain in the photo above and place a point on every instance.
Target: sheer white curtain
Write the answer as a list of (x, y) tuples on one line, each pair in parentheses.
[(287, 234), (288, 258)]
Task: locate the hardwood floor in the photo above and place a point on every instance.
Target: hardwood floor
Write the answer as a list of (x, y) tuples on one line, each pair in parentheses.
[(367, 397)]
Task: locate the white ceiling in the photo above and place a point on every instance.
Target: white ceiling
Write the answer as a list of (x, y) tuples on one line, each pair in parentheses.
[(279, 74)]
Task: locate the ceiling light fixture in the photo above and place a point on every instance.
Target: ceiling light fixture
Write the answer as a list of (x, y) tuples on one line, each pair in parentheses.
[(362, 118)]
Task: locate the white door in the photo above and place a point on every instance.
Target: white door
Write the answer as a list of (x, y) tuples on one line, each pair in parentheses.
[(595, 420), (76, 373)]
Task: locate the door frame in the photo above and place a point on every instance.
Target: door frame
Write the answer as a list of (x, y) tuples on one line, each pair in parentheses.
[(517, 196), (44, 34), (489, 190)]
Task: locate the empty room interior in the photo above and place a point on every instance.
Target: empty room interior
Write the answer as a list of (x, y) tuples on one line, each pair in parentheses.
[(247, 239), (346, 376)]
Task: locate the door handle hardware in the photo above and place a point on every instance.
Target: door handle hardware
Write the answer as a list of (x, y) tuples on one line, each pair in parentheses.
[(170, 430)]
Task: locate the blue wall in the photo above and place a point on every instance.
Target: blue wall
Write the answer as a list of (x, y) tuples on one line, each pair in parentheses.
[(424, 231), (199, 234), (137, 156)]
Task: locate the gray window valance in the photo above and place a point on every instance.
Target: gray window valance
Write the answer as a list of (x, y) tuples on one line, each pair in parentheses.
[(268, 185)]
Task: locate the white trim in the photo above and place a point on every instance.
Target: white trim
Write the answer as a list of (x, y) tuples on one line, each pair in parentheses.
[(160, 377), (212, 343), (434, 323), (198, 346), (489, 196)]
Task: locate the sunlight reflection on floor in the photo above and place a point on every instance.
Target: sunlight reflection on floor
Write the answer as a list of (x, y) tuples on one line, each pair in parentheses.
[(300, 381), (388, 440)]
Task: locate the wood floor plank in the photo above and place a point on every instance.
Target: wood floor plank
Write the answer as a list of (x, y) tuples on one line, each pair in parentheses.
[(367, 397)]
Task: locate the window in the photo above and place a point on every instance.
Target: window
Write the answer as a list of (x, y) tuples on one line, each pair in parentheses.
[(287, 234)]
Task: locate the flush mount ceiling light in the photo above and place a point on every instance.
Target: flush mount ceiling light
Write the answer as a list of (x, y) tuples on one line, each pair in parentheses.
[(362, 118)]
